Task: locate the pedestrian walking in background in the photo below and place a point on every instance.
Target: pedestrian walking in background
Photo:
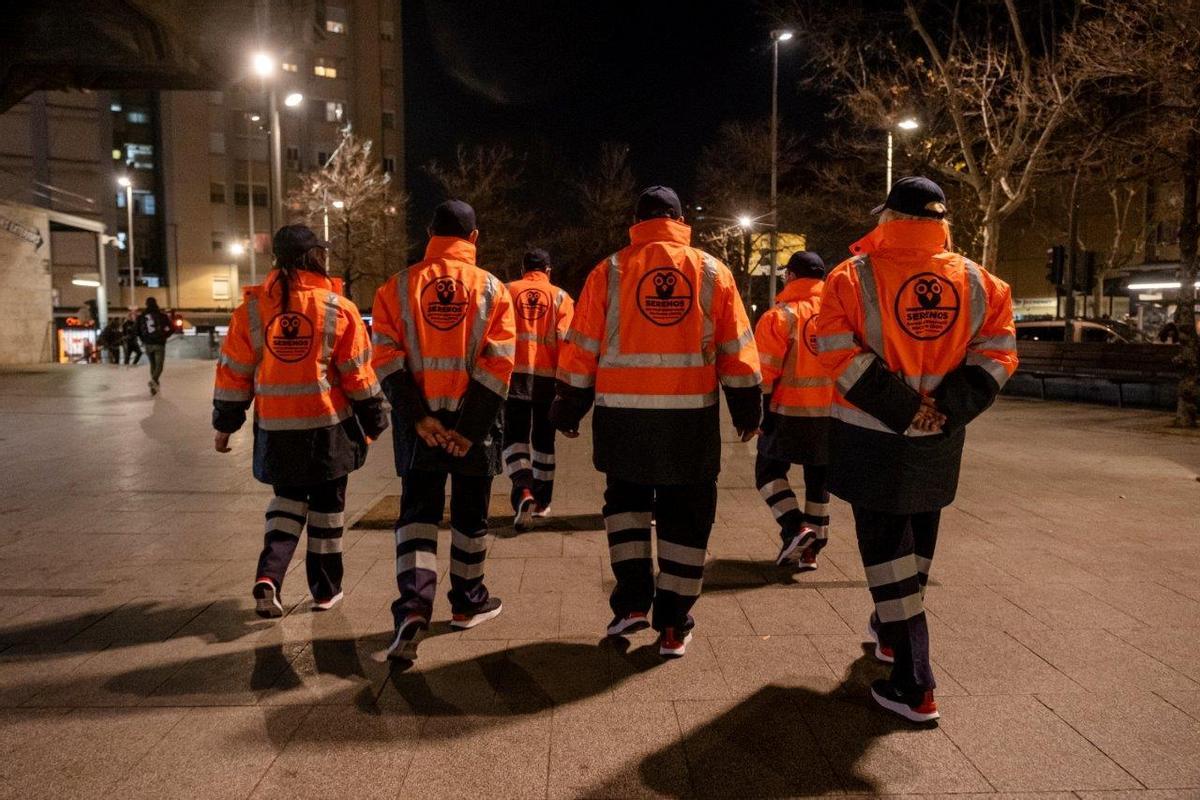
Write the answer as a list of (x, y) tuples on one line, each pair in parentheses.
[(444, 347), (797, 392), (919, 341), (543, 314), (298, 350), (110, 339), (129, 334), (659, 326), (154, 327)]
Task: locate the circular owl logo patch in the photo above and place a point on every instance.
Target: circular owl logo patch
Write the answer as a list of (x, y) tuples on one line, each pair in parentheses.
[(809, 334), (444, 302), (664, 296), (290, 336), (532, 304), (927, 306)]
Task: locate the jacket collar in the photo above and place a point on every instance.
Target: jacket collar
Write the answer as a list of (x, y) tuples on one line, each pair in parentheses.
[(450, 248), (799, 289), (922, 236), (536, 275), (305, 279), (660, 229)]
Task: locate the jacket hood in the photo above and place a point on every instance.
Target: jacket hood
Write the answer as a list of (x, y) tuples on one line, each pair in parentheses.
[(919, 236), (450, 248), (799, 289), (661, 229)]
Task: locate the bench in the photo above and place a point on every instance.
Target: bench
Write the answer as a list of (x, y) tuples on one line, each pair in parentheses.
[(1116, 363)]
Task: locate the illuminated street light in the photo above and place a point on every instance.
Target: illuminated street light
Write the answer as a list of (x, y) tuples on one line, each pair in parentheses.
[(908, 124), (264, 64), (778, 35), (91, 283), (745, 220), (784, 36), (124, 182), (237, 249), (293, 99), (338, 204)]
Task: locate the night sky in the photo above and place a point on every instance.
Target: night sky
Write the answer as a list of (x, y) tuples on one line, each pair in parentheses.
[(555, 80)]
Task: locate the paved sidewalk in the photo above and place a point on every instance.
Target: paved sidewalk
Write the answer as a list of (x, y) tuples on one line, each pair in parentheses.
[(1064, 614)]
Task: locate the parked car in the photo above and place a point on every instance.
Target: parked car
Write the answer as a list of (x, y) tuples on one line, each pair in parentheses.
[(1078, 330)]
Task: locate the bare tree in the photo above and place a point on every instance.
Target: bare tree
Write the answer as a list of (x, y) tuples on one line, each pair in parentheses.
[(990, 102), (489, 178), (1150, 50), (364, 212)]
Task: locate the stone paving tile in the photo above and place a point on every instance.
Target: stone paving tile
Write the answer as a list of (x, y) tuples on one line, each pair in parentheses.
[(641, 674), (1187, 702), (853, 661), (787, 610), (24, 668), (1148, 602), (1151, 794), (617, 750), (576, 574), (1151, 739), (971, 608), (343, 752), (1174, 645), (473, 757), (451, 676), (212, 753), (1100, 661), (993, 663), (750, 662), (1062, 605), (533, 615), (1020, 745)]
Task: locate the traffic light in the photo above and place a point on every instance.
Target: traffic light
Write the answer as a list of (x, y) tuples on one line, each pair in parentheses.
[(1085, 275), (1056, 262)]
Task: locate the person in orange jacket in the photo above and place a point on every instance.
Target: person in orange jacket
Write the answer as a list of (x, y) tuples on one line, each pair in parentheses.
[(445, 341), (659, 327), (299, 352), (543, 314), (919, 341), (796, 396)]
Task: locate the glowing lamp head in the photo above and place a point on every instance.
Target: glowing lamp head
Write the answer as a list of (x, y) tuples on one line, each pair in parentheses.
[(237, 249), (293, 99), (745, 220), (263, 64), (124, 181), (908, 124), (784, 36), (339, 204)]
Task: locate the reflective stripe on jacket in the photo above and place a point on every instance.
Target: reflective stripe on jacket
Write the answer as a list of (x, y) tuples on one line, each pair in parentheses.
[(786, 338), (301, 366), (447, 322), (905, 302), (543, 315), (659, 325)]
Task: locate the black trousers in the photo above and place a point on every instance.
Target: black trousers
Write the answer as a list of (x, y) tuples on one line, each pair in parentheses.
[(132, 347), (322, 507), (897, 551), (529, 450), (157, 353), (684, 517), (770, 476), (422, 502)]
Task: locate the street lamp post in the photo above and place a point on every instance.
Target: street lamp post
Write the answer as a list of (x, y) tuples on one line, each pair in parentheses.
[(264, 66), (250, 120), (127, 183), (906, 124), (777, 36)]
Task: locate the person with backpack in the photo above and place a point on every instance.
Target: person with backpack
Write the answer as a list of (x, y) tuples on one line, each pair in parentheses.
[(154, 327)]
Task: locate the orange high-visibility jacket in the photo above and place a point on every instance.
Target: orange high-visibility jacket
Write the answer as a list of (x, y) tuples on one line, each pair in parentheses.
[(786, 337), (543, 314), (447, 323), (659, 325), (905, 305), (301, 366)]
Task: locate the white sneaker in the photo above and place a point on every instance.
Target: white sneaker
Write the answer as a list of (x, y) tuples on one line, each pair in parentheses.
[(266, 599), (524, 516), (408, 636), (541, 513), (325, 605)]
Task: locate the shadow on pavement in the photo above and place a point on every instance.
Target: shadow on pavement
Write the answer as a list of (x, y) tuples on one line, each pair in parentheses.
[(734, 574)]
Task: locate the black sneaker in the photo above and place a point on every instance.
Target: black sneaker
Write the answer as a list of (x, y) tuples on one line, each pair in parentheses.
[(916, 707), (632, 622), (482, 613), (672, 643), (524, 516), (793, 545), (266, 599), (408, 636)]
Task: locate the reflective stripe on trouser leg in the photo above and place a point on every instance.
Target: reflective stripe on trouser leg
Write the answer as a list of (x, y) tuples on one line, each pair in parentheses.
[(628, 508), (469, 497), (286, 513), (422, 498), (684, 516), (816, 503), (886, 544), (518, 466), (326, 520), (770, 476), (542, 435)]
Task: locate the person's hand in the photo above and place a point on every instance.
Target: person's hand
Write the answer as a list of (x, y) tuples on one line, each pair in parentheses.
[(221, 442), (457, 444), (432, 432), (747, 435), (928, 419)]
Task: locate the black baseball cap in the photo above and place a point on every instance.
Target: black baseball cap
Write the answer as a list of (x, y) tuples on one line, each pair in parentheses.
[(914, 196), (453, 218), (293, 241), (536, 259), (658, 201), (806, 264)]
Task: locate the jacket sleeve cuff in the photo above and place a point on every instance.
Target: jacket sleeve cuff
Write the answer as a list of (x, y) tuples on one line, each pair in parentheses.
[(745, 406), (571, 404), (964, 394), (372, 415), (886, 397), (480, 406), (402, 392), (229, 416)]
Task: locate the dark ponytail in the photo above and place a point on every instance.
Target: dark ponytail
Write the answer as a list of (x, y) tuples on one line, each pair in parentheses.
[(287, 273)]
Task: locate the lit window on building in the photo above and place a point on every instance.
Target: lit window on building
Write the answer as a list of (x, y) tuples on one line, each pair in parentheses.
[(389, 120), (138, 117), (145, 203), (120, 199), (334, 111), (325, 68), (139, 156), (115, 108), (333, 26), (116, 154), (288, 66)]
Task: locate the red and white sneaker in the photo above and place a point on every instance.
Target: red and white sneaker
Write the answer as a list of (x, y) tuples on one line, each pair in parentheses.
[(408, 636), (541, 512), (919, 707), (630, 623), (327, 603), (266, 599), (524, 516), (489, 609), (671, 645), (808, 559), (883, 653)]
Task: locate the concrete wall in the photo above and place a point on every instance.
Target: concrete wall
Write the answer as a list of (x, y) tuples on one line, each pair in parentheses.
[(26, 319)]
